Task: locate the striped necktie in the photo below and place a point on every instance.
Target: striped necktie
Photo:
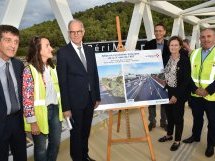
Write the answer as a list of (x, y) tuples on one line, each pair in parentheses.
[(11, 90)]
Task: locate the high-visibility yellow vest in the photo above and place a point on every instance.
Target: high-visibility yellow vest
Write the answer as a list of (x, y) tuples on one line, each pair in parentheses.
[(203, 73), (40, 108)]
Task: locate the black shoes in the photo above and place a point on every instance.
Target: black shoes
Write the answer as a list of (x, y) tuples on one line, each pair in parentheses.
[(151, 126), (209, 151), (175, 146), (165, 138), (190, 140), (89, 159)]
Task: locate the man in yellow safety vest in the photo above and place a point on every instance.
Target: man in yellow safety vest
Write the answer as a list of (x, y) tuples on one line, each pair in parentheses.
[(203, 89)]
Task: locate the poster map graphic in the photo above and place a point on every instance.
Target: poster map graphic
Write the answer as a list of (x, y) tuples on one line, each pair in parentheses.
[(131, 78)]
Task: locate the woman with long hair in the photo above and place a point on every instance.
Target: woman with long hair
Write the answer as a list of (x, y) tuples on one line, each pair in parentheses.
[(41, 100)]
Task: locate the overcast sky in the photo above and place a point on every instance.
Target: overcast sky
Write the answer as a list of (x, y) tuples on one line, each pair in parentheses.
[(37, 11)]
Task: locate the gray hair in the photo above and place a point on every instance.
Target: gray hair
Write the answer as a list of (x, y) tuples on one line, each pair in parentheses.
[(76, 21), (210, 29)]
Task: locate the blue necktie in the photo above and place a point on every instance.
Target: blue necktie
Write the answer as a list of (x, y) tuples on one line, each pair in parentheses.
[(11, 90)]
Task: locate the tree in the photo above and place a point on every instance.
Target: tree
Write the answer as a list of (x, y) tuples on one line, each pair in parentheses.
[(100, 24)]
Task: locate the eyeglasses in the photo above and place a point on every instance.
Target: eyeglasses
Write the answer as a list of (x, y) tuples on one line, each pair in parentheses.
[(76, 32)]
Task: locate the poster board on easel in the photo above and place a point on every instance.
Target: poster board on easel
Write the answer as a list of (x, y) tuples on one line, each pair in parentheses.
[(124, 76)]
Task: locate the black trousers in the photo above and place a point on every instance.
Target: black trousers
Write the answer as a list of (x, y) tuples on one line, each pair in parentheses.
[(198, 106), (79, 135), (175, 118), (152, 114), (13, 137)]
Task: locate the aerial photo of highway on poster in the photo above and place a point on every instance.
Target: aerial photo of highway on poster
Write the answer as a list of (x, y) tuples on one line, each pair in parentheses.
[(111, 84), (144, 81)]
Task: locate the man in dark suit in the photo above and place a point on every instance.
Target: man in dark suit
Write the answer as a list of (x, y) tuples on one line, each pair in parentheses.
[(79, 86), (12, 133), (158, 43)]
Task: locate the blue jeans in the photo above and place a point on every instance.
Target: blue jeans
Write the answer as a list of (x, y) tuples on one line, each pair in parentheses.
[(41, 152)]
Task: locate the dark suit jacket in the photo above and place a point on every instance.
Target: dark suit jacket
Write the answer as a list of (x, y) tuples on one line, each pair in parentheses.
[(183, 76), (18, 67), (74, 80), (152, 44)]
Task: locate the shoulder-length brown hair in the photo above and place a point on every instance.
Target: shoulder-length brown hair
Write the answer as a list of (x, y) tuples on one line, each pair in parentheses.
[(34, 57), (178, 38)]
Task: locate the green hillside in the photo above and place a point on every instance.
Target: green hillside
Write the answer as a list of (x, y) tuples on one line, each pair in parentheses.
[(99, 24)]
